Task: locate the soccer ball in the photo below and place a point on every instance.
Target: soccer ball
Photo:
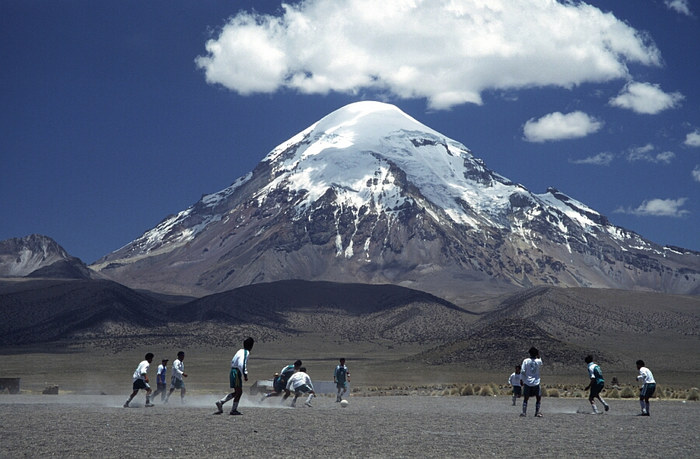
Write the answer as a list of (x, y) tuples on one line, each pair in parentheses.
[(344, 403)]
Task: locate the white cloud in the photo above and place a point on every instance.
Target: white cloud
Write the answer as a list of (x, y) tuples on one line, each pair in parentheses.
[(696, 173), (692, 139), (601, 159), (558, 126), (447, 51), (646, 153), (658, 208), (679, 6), (646, 98)]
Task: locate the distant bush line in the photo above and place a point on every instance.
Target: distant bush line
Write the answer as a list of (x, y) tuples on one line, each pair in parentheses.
[(493, 390)]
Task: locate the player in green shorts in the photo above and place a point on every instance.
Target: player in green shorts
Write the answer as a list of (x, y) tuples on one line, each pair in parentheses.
[(596, 385)]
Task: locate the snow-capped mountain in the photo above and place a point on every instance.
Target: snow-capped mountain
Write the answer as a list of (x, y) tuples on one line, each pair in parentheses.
[(369, 194)]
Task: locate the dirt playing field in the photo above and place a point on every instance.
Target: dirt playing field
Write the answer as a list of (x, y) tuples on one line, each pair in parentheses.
[(387, 426)]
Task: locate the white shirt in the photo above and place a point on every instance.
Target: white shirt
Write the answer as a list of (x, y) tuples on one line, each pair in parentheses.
[(514, 379), (240, 361), (530, 371), (299, 379), (645, 376), (141, 370), (178, 368)]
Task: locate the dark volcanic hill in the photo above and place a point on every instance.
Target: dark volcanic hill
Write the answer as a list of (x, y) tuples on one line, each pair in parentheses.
[(617, 326), (50, 310), (370, 195)]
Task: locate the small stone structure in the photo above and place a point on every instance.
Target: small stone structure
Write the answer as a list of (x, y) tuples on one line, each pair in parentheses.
[(11, 384), (51, 389)]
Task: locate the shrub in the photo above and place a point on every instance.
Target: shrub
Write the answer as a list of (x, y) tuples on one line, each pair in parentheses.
[(627, 392), (467, 389), (486, 391), (553, 393), (613, 394), (693, 395)]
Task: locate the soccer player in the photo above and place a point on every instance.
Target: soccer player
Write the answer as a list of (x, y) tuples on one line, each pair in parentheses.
[(530, 380), (176, 381), (596, 384), (648, 387), (279, 384), (514, 381), (341, 377), (160, 380), (300, 383), (140, 378), (239, 372)]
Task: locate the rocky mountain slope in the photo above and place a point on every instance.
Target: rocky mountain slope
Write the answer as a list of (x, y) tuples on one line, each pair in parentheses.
[(39, 256), (368, 194)]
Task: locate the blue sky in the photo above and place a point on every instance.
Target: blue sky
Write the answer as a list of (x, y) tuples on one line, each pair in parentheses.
[(115, 115)]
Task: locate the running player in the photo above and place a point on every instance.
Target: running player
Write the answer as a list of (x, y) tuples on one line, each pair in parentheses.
[(176, 381), (140, 379), (300, 383), (239, 372), (341, 377), (596, 385)]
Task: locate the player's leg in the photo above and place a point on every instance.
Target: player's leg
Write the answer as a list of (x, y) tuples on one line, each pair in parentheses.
[(131, 397), (526, 397)]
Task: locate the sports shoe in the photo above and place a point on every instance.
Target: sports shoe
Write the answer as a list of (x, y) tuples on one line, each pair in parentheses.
[(126, 405), (235, 413), (538, 415), (607, 407), (523, 415), (307, 403), (219, 407), (148, 405)]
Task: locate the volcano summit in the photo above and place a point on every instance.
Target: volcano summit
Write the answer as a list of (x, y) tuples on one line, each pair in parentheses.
[(368, 194)]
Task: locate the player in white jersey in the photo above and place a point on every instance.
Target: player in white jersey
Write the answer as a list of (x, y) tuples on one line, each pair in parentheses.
[(514, 381), (239, 372), (279, 383), (140, 380), (162, 386), (648, 387), (530, 380), (176, 381), (300, 383)]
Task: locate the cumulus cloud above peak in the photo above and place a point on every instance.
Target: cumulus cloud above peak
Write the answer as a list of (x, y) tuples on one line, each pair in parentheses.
[(646, 98), (446, 51), (559, 126)]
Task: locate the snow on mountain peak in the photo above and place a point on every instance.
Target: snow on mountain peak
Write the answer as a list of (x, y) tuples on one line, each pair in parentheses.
[(356, 150)]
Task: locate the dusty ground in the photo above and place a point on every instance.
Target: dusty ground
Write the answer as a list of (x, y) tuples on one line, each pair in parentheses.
[(410, 426)]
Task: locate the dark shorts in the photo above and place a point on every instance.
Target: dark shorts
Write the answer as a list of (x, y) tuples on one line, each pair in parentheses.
[(303, 389), (517, 390), (141, 384), (647, 390), (531, 391), (596, 388), (341, 385), (279, 384), (235, 379)]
